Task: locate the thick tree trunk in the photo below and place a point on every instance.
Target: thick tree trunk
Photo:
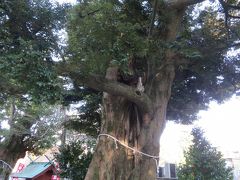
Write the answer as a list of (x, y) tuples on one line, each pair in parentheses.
[(13, 147), (12, 153), (123, 120), (134, 127)]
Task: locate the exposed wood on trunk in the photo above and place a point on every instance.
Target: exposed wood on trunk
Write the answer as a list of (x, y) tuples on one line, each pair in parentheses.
[(134, 128)]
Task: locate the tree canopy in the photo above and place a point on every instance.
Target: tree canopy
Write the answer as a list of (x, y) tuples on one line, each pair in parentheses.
[(204, 70), (29, 86), (176, 50), (28, 42), (201, 76)]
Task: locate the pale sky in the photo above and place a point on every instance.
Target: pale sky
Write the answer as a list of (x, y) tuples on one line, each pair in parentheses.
[(221, 124)]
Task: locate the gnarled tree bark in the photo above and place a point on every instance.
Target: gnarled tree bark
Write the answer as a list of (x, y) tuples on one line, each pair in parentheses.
[(136, 119), (141, 130)]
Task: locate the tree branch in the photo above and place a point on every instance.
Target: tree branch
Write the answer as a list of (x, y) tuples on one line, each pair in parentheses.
[(115, 88), (179, 4), (100, 83), (153, 18)]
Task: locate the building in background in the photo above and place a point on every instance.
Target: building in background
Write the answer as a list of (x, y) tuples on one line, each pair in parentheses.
[(233, 160), (41, 168), (167, 171), (37, 171), (177, 138)]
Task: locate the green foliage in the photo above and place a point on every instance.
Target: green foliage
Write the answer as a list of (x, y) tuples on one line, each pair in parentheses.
[(103, 33), (113, 33), (203, 162), (34, 125), (28, 81), (75, 158), (211, 73), (89, 119), (28, 41)]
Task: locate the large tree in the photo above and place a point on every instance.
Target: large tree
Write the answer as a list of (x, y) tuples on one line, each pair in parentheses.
[(28, 84), (154, 60)]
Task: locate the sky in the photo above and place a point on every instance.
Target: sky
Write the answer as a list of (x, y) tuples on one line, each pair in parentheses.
[(221, 126)]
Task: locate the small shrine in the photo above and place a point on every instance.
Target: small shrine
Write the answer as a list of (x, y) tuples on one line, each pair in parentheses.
[(36, 171)]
